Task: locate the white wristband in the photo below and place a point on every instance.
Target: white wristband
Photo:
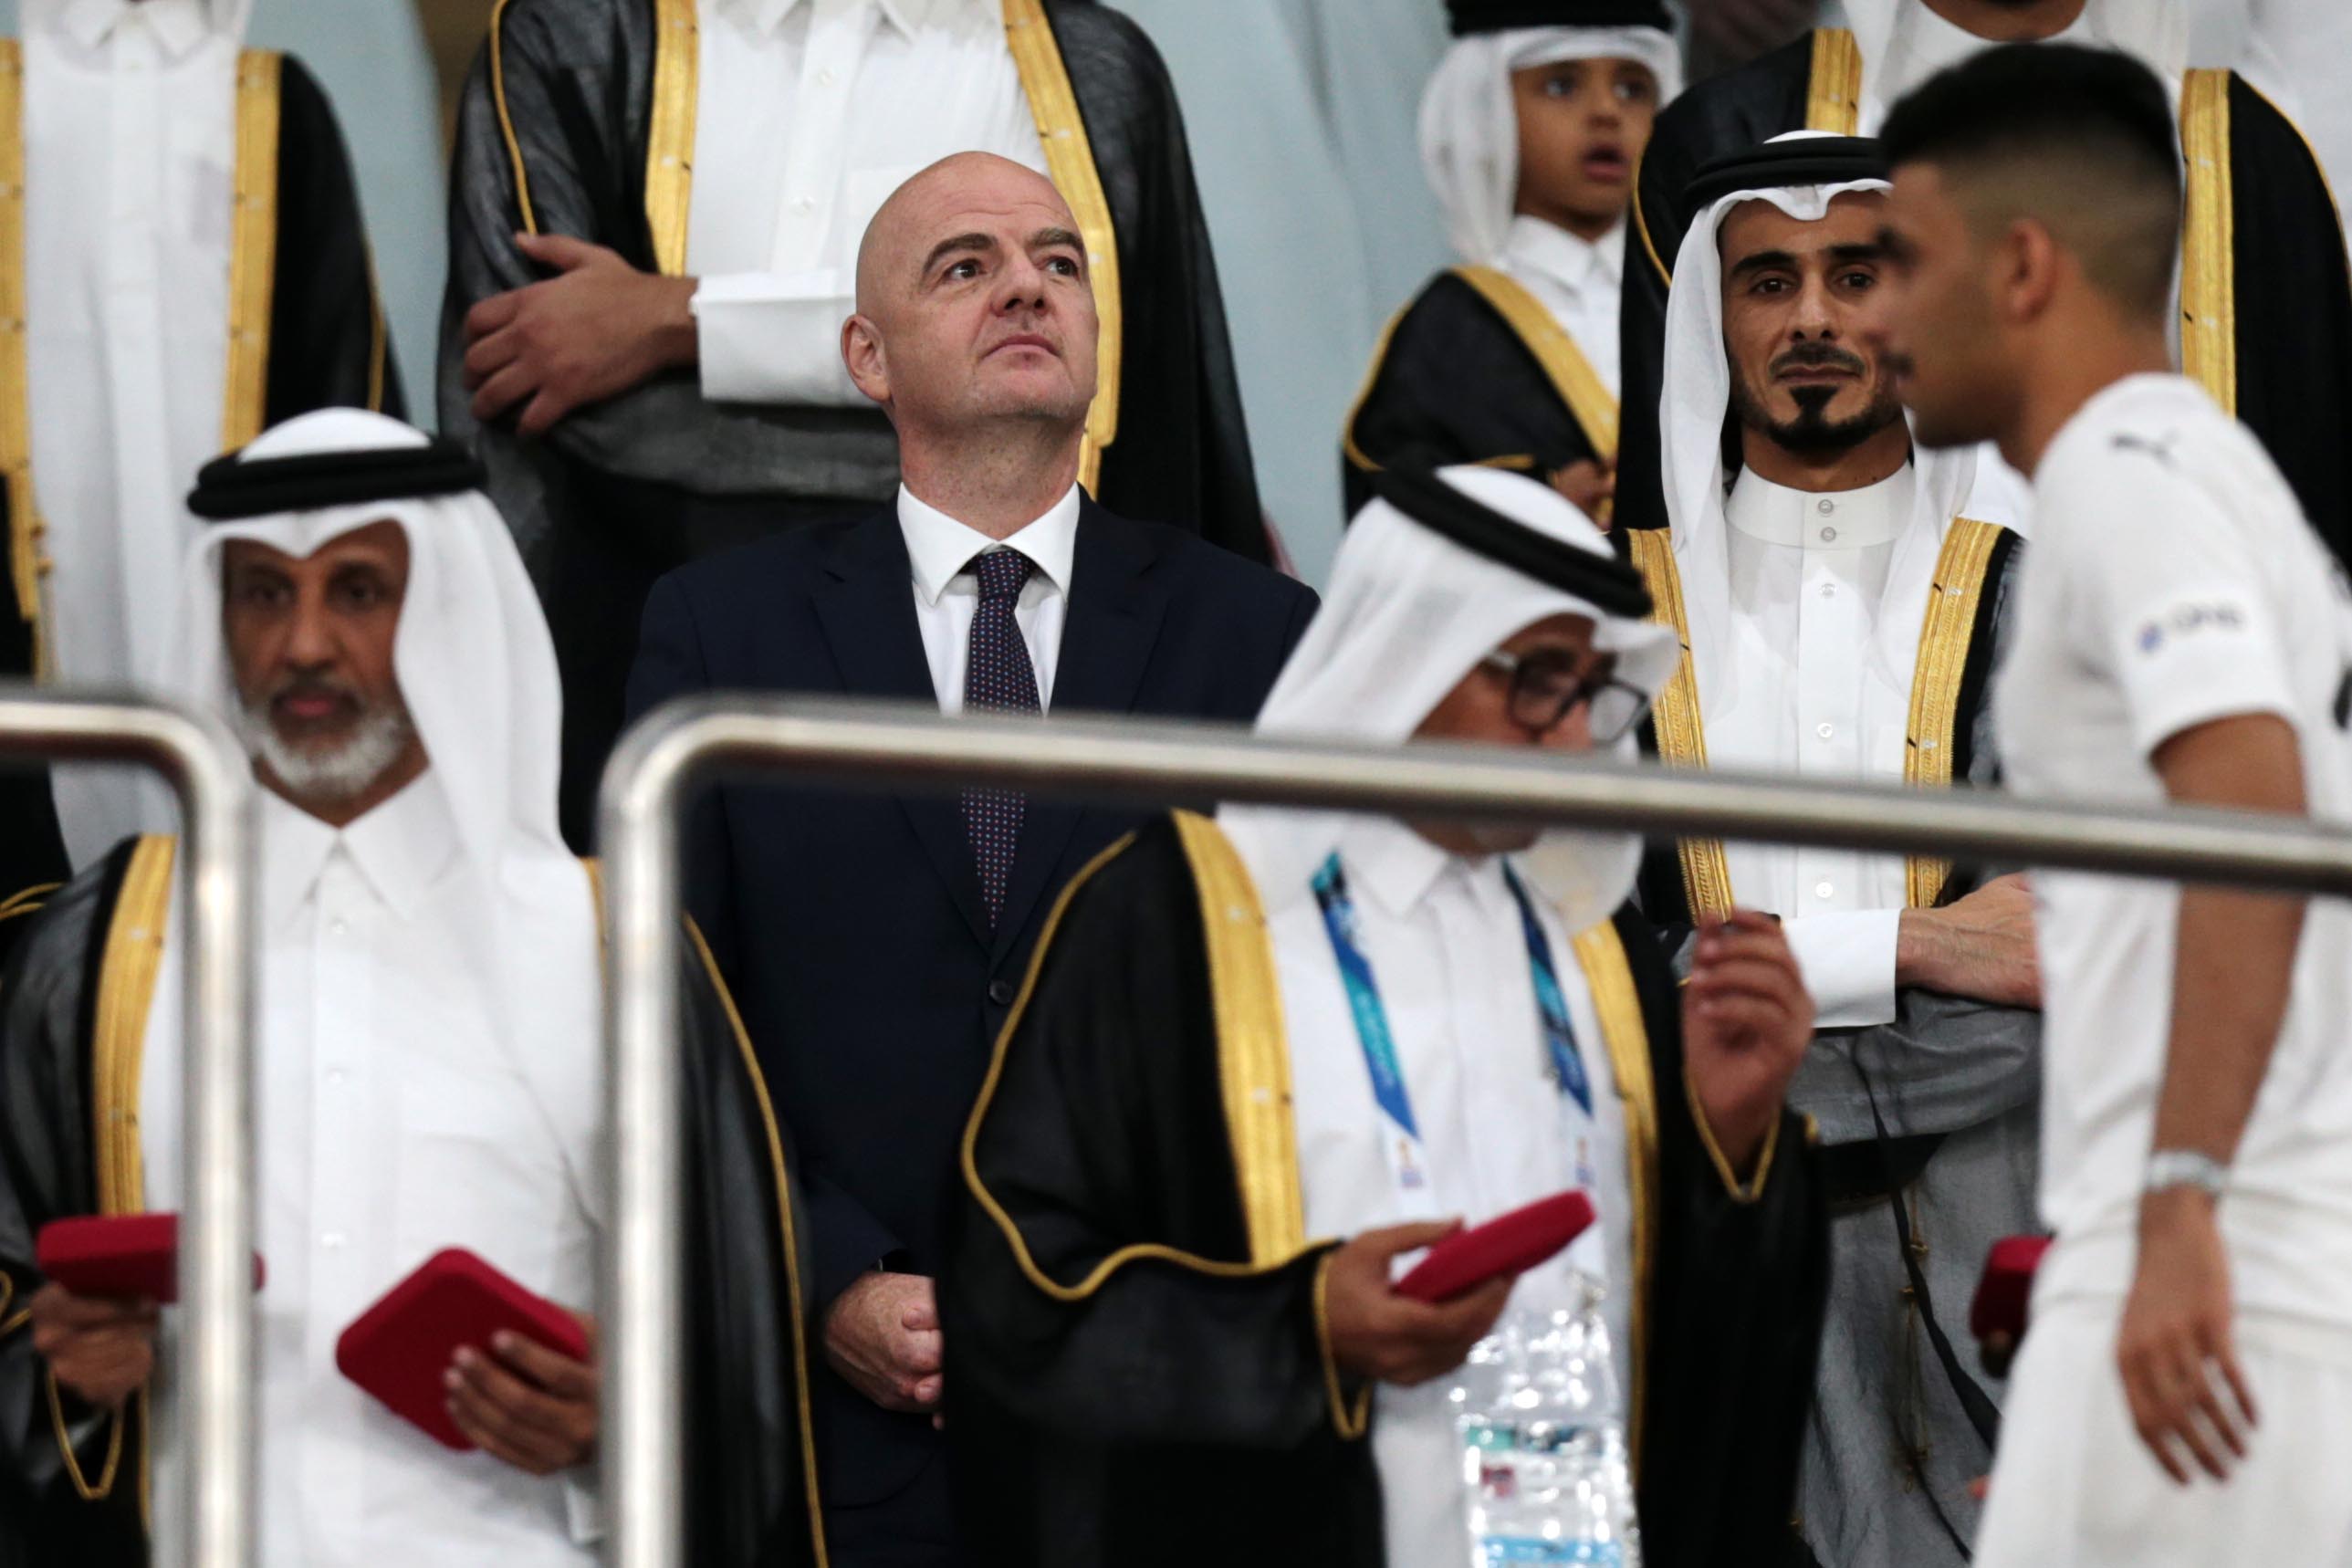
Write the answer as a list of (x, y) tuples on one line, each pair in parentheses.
[(2169, 1168)]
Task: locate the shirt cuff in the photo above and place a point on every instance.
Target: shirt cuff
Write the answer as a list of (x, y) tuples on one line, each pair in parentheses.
[(1848, 963), (775, 337), (583, 1504)]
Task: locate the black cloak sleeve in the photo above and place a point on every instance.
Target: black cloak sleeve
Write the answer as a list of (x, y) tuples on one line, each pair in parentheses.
[(1123, 1384), (1725, 114), (328, 347), (1735, 1311), (47, 1170), (2293, 310), (1181, 455), (32, 850), (1453, 383)]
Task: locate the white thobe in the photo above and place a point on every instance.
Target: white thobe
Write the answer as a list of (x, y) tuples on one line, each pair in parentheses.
[(1444, 938), (1579, 280), (130, 177), (810, 113), (947, 589), (1808, 577), (393, 1123)]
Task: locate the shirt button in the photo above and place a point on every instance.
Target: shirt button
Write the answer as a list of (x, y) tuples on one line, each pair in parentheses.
[(1826, 731), (825, 77), (332, 1241), (805, 204), (337, 928), (334, 1074), (1001, 993), (1823, 890), (1829, 536), (1829, 590), (1825, 506)]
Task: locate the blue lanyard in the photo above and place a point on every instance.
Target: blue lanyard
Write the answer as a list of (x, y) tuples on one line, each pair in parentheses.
[(1379, 1042)]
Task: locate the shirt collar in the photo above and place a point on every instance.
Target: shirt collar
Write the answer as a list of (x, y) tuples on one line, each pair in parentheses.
[(906, 16), (400, 849), (939, 548), (179, 26), (1549, 251), (1397, 869), (1799, 520)]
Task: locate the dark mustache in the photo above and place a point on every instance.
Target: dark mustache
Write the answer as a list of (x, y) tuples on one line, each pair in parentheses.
[(1820, 356), (313, 686)]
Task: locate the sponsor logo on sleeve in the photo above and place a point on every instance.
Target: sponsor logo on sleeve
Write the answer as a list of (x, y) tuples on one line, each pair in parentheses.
[(2190, 620)]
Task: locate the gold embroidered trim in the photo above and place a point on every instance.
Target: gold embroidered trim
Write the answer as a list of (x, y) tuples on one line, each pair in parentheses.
[(1349, 446), (27, 566), (1617, 1003), (1070, 160), (253, 257), (2209, 290), (783, 1206), (28, 901), (1946, 634), (1642, 226), (1752, 1189), (378, 339), (1833, 101), (1589, 399), (1350, 1419), (128, 968), (669, 143), (84, 1488), (1682, 734), (505, 119), (1254, 1056)]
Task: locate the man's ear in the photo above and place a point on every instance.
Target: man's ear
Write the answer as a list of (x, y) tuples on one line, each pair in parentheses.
[(2028, 267), (862, 352)]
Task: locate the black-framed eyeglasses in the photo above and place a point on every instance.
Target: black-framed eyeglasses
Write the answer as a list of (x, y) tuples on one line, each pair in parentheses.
[(1545, 688)]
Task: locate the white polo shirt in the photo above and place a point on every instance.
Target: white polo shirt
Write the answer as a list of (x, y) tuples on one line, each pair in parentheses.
[(2174, 582)]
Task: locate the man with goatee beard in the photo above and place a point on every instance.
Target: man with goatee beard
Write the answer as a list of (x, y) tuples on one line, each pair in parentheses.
[(1841, 611)]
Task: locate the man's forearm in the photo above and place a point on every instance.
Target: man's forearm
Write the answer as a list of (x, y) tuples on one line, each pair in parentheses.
[(2232, 970)]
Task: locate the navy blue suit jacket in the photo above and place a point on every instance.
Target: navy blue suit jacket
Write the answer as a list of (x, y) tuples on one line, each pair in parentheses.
[(850, 926)]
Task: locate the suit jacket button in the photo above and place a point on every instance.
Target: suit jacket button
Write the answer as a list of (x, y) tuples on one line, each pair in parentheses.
[(1001, 993)]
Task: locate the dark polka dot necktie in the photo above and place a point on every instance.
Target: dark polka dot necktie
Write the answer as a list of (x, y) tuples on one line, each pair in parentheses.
[(998, 679)]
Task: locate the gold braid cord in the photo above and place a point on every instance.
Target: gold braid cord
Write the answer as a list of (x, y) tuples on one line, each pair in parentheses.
[(27, 566), (1833, 100), (2208, 268), (253, 258)]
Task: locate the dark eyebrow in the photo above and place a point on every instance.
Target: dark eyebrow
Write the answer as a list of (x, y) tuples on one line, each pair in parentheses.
[(946, 247), (1891, 243), (1865, 250), (1763, 261), (1047, 238)]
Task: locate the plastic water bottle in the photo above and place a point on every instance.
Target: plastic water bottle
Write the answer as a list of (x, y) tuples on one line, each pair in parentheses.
[(1543, 1443)]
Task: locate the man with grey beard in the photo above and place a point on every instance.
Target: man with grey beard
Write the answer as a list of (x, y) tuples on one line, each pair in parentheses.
[(1841, 609), (426, 1072)]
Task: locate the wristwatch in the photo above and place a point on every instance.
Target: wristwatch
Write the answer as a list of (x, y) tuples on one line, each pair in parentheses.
[(2169, 1168)]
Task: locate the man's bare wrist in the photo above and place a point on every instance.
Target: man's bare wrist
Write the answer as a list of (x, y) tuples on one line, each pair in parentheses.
[(680, 337), (1919, 948)]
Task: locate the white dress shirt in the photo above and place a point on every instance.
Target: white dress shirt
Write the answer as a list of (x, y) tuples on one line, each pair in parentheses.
[(393, 1123), (1444, 938), (1808, 575), (946, 590), (130, 172), (810, 113), (1579, 280), (1924, 42)]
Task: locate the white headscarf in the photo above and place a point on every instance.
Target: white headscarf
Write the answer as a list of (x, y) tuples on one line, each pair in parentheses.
[(1695, 396), (477, 667), (2155, 32), (1470, 127), (1408, 614)]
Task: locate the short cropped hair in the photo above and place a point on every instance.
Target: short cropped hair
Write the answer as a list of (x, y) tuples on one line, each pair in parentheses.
[(2080, 139)]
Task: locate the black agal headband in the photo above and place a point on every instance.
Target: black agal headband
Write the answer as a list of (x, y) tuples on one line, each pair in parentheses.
[(1468, 17), (232, 487), (1786, 165), (1603, 581)]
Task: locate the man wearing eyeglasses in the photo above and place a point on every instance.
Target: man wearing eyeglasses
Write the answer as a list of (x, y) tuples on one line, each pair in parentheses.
[(1843, 609), (1281, 1024)]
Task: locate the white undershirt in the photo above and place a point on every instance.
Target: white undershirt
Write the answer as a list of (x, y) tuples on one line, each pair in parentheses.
[(1444, 938), (391, 1123), (1579, 280), (130, 172), (947, 591), (1808, 577), (2173, 583), (810, 113)]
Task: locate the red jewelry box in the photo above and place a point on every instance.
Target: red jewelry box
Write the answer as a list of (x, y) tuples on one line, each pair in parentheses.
[(133, 1255), (2006, 1290), (400, 1350), (1507, 1244)]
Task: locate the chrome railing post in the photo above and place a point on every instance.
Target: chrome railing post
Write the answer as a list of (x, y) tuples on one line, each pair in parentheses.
[(911, 749), (215, 783)]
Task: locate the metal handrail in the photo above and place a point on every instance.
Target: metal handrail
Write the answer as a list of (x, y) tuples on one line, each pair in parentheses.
[(214, 779), (910, 748)]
